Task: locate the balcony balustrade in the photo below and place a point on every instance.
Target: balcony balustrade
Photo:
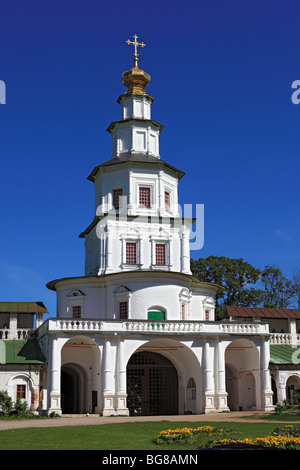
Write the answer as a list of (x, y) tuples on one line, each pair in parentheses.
[(152, 326), (19, 333)]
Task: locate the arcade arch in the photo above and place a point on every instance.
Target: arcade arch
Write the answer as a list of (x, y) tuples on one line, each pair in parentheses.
[(242, 375), (292, 386), (80, 385), (158, 374)]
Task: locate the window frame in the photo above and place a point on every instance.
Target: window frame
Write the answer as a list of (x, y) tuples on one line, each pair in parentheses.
[(75, 298), (118, 206), (78, 313), (167, 205), (21, 391), (122, 294), (161, 238), (158, 255), (128, 254), (185, 298), (148, 188), (133, 237), (123, 303)]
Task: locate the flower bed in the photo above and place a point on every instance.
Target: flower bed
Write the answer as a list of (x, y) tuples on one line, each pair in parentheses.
[(273, 442), (288, 430), (186, 435), (286, 437)]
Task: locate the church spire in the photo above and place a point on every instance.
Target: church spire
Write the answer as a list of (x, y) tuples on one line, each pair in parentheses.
[(136, 132), (136, 44), (135, 79)]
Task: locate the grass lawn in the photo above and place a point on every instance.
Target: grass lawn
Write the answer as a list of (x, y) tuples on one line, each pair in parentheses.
[(124, 436)]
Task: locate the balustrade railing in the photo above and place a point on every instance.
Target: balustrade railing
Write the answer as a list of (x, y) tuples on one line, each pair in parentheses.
[(285, 338), (20, 333), (154, 326)]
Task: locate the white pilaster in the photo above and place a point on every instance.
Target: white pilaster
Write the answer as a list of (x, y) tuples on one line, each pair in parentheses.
[(54, 367), (209, 396), (121, 383), (221, 390), (267, 393), (185, 251), (108, 380)]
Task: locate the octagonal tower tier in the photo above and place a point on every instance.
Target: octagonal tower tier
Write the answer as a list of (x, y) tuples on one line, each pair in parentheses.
[(137, 223)]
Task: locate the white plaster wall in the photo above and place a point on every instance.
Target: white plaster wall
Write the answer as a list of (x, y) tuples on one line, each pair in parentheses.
[(16, 375), (105, 246), (130, 177), (99, 299)]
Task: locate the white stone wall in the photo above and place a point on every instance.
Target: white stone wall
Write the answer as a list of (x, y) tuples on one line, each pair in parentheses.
[(13, 375), (99, 297), (130, 178)]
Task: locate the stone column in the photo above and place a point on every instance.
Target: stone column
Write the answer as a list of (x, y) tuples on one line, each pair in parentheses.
[(54, 366), (108, 249), (281, 388), (121, 382), (221, 390), (209, 398), (108, 380), (185, 251), (13, 325), (293, 330), (266, 389)]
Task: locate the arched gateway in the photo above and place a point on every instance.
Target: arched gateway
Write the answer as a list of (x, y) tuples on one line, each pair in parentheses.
[(152, 385)]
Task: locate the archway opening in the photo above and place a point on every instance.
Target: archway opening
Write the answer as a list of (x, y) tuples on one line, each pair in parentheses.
[(152, 385), (274, 390), (293, 388), (72, 389), (80, 372), (242, 366)]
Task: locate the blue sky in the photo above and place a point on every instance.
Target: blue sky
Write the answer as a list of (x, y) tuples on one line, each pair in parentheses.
[(221, 75)]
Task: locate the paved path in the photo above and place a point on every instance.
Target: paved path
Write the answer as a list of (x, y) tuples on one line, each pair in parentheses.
[(77, 420)]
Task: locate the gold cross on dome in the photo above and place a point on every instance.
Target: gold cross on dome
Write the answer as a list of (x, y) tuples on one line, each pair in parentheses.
[(136, 44)]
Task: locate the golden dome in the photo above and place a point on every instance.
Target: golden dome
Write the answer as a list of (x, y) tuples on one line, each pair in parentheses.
[(135, 80)]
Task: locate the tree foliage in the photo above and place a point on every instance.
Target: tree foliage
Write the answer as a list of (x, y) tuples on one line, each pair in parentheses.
[(236, 275), (245, 285), (279, 292), (296, 279), (7, 408)]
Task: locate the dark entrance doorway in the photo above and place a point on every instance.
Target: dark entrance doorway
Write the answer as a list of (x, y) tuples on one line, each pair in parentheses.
[(152, 385), (71, 390)]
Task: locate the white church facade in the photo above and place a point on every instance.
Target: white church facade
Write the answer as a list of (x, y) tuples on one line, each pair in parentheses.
[(136, 335)]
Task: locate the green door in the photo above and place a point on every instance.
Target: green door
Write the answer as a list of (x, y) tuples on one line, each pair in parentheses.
[(156, 315)]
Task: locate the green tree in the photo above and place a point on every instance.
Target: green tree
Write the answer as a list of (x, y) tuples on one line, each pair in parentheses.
[(296, 279), (236, 275), (6, 405), (279, 292)]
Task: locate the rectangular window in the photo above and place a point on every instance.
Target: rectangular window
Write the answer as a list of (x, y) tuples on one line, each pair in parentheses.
[(130, 253), (117, 195), (21, 391), (167, 201), (206, 314), (76, 311), (123, 310), (160, 254), (182, 312), (144, 197)]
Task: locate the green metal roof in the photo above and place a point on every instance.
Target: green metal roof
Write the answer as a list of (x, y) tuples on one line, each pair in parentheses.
[(284, 354), (23, 307), (21, 352)]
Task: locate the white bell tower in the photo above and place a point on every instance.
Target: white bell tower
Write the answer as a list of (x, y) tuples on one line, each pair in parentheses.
[(137, 225)]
